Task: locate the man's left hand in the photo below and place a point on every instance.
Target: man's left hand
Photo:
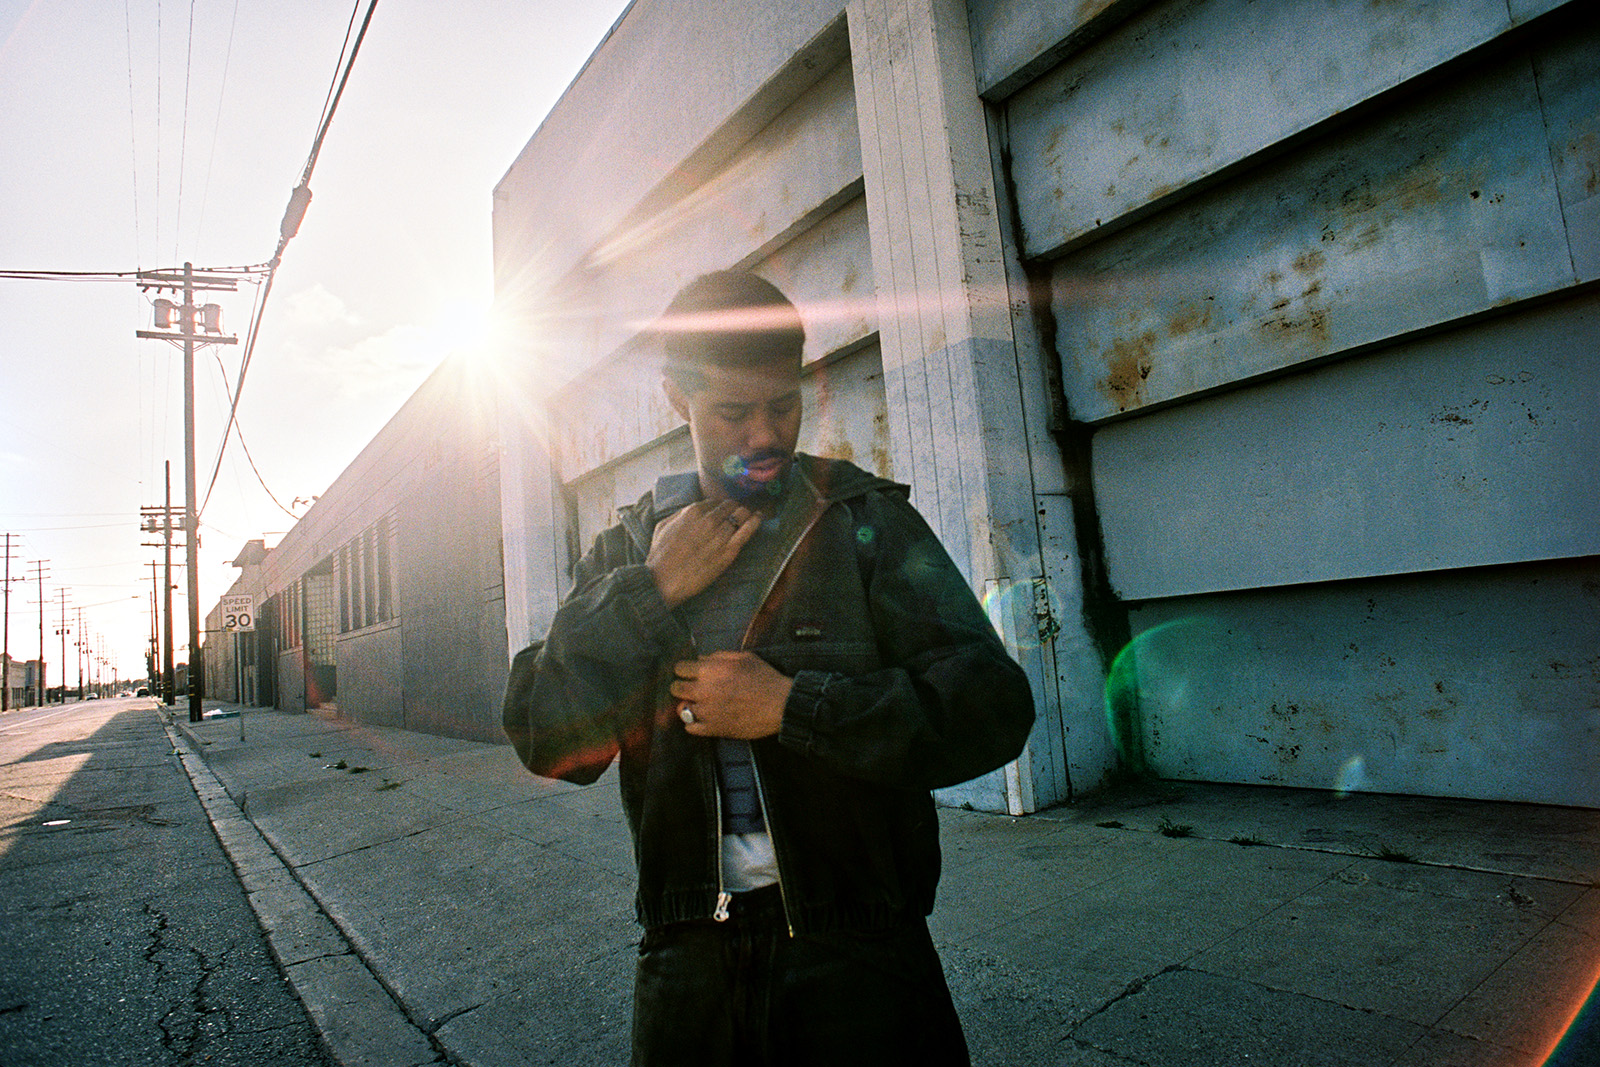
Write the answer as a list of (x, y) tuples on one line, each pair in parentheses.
[(732, 694)]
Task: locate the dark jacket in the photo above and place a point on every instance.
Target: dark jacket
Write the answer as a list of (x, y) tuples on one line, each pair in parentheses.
[(900, 686)]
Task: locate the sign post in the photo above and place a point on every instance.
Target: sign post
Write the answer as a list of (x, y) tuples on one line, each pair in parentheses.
[(239, 617)]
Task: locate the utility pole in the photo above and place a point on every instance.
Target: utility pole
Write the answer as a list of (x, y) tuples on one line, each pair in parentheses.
[(61, 632), (38, 685), (159, 520), (81, 645), (196, 326), (5, 653), (169, 686), (152, 659)]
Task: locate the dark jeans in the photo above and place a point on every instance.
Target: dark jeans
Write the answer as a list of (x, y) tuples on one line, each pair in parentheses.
[(742, 992)]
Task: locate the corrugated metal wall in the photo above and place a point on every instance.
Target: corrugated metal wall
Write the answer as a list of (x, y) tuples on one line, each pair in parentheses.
[(1316, 280)]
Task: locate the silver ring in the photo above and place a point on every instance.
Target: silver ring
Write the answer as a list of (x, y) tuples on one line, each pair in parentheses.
[(686, 713)]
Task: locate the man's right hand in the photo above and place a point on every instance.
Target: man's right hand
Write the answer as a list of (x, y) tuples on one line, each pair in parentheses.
[(691, 549)]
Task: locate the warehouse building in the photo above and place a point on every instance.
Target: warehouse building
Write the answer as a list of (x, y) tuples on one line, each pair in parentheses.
[(384, 602), (1243, 355)]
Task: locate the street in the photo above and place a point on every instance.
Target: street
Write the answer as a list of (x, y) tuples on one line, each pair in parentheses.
[(125, 937)]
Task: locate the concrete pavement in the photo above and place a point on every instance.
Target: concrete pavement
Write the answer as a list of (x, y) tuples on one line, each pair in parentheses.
[(432, 902)]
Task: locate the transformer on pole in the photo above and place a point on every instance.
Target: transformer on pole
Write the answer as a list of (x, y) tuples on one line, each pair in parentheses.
[(191, 326)]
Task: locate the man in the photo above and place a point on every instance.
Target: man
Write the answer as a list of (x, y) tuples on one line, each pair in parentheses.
[(787, 662)]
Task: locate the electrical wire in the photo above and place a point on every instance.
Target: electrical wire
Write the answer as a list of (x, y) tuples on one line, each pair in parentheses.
[(133, 126), (251, 271), (158, 126), (216, 132), (238, 432), (299, 199), (56, 529), (183, 136), (344, 46)]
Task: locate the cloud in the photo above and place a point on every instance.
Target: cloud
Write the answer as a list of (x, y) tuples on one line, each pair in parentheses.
[(318, 308), (377, 365)]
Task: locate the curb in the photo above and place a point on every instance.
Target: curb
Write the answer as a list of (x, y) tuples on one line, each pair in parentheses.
[(361, 1023)]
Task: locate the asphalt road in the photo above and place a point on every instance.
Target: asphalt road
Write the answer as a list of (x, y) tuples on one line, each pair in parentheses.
[(125, 937)]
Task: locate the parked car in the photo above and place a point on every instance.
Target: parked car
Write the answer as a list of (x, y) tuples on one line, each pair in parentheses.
[(142, 691)]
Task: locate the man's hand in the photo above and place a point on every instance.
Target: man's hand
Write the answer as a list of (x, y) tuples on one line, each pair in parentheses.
[(692, 548), (732, 694)]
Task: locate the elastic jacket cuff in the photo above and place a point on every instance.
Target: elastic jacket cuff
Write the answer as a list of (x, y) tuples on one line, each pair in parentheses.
[(638, 588), (803, 710)]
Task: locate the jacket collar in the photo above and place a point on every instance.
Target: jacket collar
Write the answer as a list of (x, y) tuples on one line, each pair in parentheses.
[(832, 479), (674, 491)]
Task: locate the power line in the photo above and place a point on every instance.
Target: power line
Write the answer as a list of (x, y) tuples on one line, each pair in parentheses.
[(344, 46), (238, 431), (183, 137), (227, 61), (299, 200), (56, 529), (117, 275), (133, 125), (158, 126)]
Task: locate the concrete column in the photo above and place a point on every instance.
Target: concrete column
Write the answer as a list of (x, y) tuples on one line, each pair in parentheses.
[(532, 544), (959, 401)]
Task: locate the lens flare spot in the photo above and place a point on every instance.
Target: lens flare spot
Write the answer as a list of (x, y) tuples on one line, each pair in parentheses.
[(865, 535), (1352, 777), (1157, 683), (1026, 613)]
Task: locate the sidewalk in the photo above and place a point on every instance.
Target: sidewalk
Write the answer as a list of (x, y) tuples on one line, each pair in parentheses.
[(433, 902)]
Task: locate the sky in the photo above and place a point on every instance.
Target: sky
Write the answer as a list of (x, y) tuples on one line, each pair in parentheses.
[(143, 134)]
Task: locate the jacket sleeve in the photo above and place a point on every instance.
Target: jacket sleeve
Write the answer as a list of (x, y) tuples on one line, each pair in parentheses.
[(572, 697), (949, 704)]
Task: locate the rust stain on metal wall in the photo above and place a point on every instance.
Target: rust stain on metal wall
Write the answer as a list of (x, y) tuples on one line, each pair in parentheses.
[(1297, 319), (1128, 365), (881, 462), (841, 448), (1190, 320), (1584, 152)]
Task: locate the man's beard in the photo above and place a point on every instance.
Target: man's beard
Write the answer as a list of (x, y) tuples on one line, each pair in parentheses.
[(753, 487)]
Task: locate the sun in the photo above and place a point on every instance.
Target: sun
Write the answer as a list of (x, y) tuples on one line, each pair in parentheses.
[(476, 324), (470, 329)]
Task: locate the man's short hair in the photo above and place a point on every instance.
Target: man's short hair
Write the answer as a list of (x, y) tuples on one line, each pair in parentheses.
[(728, 318)]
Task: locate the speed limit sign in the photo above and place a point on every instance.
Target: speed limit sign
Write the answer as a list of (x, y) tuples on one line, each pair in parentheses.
[(239, 613)]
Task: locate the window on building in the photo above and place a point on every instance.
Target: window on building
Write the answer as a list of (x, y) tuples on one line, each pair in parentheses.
[(290, 606), (341, 576), (385, 555), (365, 577)]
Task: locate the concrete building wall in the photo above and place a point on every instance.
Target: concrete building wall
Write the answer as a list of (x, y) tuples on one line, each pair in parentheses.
[(1315, 282), (385, 600)]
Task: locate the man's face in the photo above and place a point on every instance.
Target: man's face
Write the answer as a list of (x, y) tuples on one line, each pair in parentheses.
[(744, 423)]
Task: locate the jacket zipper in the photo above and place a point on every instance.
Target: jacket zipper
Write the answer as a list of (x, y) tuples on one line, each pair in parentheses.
[(818, 509), (724, 898)]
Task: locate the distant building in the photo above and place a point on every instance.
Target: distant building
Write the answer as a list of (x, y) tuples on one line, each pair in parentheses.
[(385, 600), (1242, 354), (22, 679)]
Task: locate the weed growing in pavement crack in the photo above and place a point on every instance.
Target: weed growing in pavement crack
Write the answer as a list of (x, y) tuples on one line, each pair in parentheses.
[(1109, 824), (314, 755), (387, 785), (1245, 839), (1167, 828), (1392, 855), (359, 770)]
